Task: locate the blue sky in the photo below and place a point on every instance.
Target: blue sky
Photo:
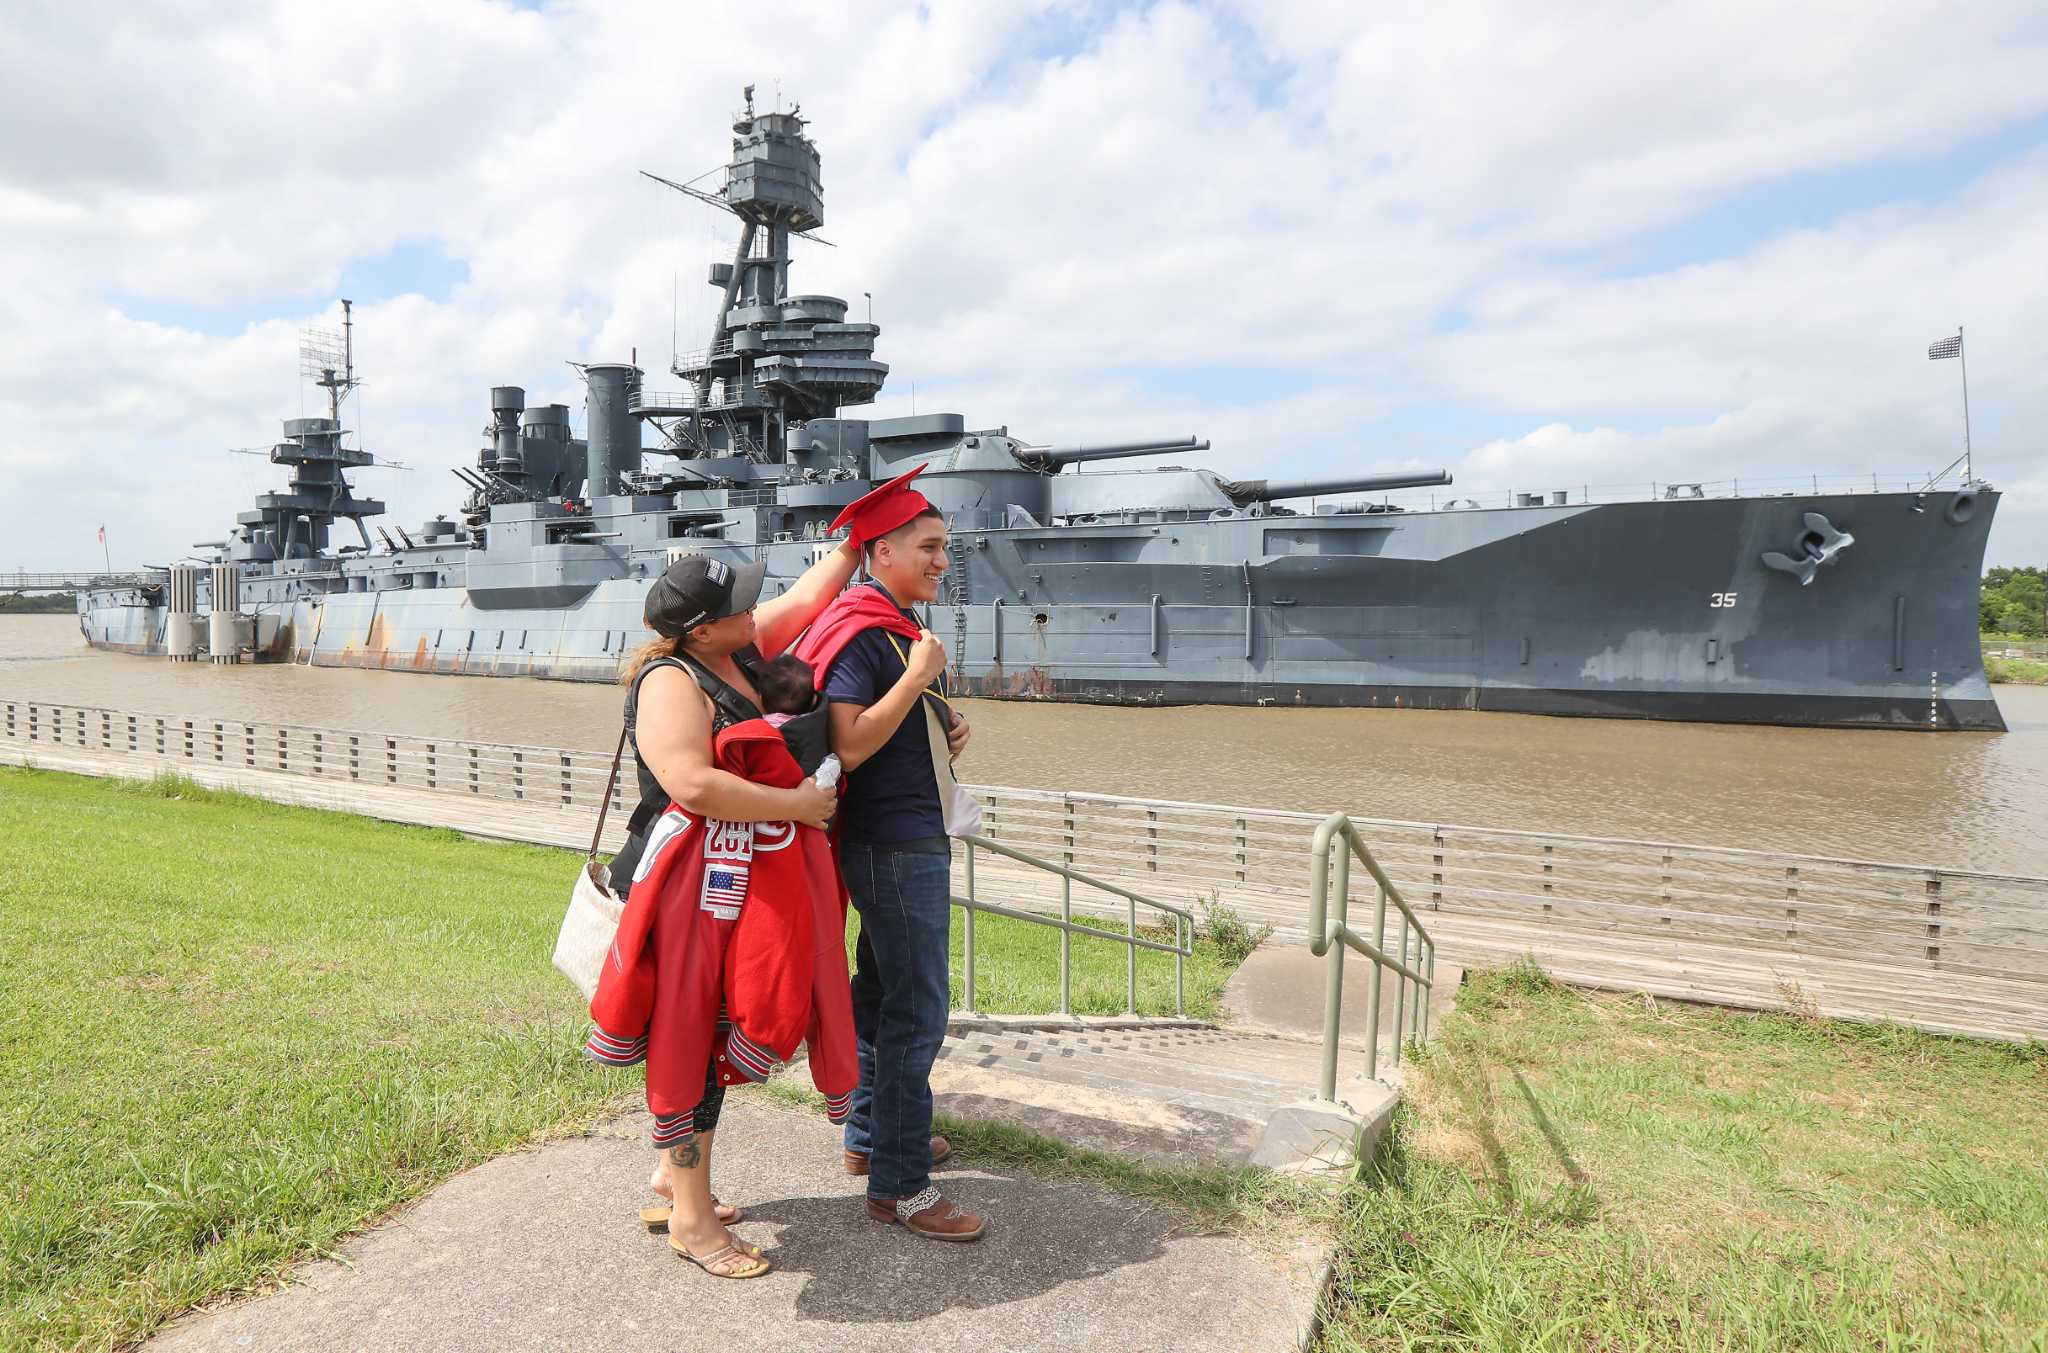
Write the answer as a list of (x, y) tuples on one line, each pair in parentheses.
[(415, 267), (1814, 201)]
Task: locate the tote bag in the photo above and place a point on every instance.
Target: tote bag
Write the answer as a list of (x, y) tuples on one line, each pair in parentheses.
[(594, 910)]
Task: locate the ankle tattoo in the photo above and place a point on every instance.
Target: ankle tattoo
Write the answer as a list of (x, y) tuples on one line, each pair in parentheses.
[(686, 1154)]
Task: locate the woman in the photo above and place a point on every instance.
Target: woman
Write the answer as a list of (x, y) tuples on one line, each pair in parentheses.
[(683, 688)]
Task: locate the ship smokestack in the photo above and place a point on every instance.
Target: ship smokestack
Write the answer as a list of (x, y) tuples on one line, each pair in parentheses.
[(507, 403), (612, 433)]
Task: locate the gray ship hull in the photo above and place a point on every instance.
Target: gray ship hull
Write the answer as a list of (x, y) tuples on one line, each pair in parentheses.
[(1656, 610)]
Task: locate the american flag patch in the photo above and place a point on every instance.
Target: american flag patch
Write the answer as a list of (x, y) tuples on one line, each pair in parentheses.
[(725, 888)]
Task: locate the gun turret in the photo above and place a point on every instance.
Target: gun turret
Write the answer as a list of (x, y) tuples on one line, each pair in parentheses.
[(1048, 459), (1246, 491)]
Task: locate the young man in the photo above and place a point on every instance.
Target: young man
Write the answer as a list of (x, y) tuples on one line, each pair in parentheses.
[(884, 676)]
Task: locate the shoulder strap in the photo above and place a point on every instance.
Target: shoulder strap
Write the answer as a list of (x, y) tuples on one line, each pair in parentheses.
[(903, 655), (725, 699), (604, 805)]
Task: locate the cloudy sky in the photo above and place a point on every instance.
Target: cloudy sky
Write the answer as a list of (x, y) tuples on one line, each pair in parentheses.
[(1619, 245)]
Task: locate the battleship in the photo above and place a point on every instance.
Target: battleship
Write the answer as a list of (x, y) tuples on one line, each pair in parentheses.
[(1074, 575)]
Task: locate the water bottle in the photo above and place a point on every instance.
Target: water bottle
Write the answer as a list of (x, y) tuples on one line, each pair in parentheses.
[(828, 772)]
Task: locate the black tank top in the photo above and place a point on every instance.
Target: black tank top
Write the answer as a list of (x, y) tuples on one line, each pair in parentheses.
[(729, 706)]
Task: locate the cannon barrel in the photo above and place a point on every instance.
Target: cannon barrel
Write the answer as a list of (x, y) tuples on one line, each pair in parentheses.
[(1243, 491), (1053, 457)]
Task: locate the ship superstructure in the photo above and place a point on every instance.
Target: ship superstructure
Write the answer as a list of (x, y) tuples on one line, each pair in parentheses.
[(1125, 584)]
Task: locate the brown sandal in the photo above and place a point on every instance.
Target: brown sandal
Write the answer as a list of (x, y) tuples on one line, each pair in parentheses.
[(725, 1254), (655, 1219)]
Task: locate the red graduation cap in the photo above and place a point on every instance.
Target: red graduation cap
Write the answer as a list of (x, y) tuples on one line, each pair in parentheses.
[(875, 514)]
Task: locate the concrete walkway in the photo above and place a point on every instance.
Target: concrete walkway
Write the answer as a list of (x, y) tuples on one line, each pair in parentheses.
[(542, 1250)]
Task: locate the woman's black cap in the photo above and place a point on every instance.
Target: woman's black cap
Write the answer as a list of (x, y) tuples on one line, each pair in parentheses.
[(699, 589)]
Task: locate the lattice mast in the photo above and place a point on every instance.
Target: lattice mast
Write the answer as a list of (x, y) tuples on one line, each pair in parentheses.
[(327, 359)]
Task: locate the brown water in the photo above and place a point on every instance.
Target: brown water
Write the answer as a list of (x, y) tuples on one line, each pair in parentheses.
[(1967, 800)]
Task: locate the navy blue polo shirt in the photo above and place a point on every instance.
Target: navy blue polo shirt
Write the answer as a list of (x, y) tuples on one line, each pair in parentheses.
[(893, 795)]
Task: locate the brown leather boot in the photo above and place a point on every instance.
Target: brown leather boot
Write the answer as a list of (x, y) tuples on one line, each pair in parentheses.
[(857, 1161), (930, 1215)]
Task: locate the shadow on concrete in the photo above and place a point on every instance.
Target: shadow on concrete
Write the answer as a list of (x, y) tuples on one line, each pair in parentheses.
[(1042, 1236), (1165, 1134)]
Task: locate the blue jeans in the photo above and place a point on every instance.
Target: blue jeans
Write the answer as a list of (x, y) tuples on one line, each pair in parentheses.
[(900, 1000)]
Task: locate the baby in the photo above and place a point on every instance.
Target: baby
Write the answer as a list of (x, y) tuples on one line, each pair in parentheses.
[(787, 688), (790, 696)]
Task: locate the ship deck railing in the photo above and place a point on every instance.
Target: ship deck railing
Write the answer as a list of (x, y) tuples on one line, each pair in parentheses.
[(685, 400), (23, 581), (1643, 491), (1945, 948), (702, 357)]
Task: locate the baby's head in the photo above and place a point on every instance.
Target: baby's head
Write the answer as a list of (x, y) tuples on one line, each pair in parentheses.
[(786, 685)]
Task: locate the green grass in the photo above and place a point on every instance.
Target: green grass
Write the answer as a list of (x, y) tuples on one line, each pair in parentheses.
[(1578, 1172), (232, 1032), (2021, 671)]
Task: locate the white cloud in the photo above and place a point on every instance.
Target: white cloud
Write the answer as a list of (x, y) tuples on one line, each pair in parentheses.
[(1248, 223)]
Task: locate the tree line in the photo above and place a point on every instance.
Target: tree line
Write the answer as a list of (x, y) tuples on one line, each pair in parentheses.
[(2014, 601), (41, 603)]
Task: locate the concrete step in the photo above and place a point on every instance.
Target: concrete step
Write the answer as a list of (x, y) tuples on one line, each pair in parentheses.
[(1172, 1094)]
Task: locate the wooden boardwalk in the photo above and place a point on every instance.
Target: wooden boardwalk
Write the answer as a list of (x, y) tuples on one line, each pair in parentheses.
[(1949, 950)]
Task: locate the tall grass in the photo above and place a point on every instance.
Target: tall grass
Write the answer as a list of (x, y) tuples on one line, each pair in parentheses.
[(2017, 671), (1577, 1172)]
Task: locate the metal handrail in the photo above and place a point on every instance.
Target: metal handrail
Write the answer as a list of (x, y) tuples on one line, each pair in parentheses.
[(1339, 838), (1683, 490), (1182, 948)]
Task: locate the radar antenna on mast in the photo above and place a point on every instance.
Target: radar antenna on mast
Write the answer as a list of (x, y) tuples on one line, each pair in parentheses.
[(327, 359)]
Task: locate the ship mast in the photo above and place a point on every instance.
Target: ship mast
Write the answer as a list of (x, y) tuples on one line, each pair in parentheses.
[(328, 360), (774, 359)]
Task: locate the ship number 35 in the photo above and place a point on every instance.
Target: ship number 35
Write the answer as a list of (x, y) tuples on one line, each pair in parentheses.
[(1721, 600)]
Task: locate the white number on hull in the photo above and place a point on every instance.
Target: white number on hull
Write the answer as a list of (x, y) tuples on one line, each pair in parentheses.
[(1721, 600)]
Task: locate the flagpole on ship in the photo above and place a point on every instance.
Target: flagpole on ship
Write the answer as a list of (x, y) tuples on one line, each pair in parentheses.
[(1940, 350), (104, 554), (1969, 474)]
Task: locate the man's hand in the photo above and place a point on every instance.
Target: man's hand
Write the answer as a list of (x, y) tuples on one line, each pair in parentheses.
[(957, 735), (927, 657)]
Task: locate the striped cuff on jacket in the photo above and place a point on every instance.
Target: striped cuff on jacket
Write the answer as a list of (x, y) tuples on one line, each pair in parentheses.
[(753, 1060), (613, 1050)]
